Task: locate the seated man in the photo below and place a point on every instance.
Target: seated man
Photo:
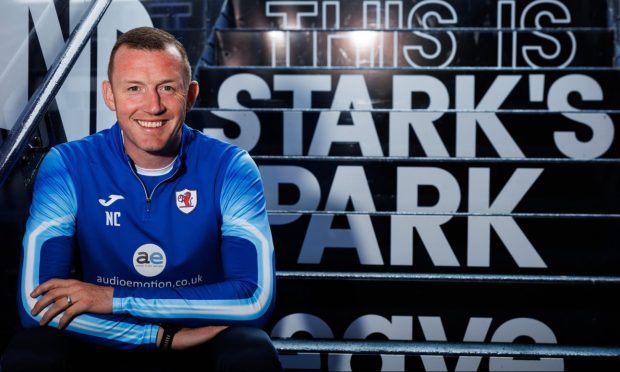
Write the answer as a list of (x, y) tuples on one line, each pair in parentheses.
[(167, 230)]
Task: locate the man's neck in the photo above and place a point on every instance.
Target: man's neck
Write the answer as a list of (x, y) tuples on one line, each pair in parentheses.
[(149, 161)]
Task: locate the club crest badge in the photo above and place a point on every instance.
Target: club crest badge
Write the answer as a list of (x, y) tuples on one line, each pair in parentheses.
[(186, 200)]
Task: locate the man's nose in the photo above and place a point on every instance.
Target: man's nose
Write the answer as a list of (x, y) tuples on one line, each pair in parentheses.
[(153, 104)]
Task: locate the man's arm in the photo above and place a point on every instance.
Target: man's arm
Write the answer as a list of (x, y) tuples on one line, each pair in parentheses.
[(48, 253), (246, 293)]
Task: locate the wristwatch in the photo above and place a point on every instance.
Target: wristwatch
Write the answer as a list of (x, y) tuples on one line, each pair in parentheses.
[(166, 339)]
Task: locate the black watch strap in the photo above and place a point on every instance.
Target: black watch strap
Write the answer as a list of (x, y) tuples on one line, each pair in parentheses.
[(168, 336)]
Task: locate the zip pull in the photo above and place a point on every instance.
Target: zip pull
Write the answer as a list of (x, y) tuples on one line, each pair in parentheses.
[(146, 194)]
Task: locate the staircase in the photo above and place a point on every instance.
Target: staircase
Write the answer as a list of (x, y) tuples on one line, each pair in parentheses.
[(441, 176)]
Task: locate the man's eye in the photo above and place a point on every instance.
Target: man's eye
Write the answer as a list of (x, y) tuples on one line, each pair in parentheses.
[(167, 88), (133, 89)]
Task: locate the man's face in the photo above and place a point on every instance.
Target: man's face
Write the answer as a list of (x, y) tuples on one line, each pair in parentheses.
[(148, 92)]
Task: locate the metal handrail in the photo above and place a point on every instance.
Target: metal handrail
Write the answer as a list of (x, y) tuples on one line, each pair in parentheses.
[(446, 348), (613, 22), (37, 106), (448, 277), (567, 216)]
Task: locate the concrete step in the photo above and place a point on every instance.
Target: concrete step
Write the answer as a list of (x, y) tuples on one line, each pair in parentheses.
[(438, 47)]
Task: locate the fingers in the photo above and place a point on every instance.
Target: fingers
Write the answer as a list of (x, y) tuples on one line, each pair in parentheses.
[(51, 312), (49, 285), (70, 311), (71, 296), (64, 303), (68, 315), (57, 296)]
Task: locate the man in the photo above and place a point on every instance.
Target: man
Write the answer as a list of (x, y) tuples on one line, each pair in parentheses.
[(166, 229)]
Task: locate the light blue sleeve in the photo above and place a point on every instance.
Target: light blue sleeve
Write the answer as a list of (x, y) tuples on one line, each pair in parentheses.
[(48, 252), (245, 229)]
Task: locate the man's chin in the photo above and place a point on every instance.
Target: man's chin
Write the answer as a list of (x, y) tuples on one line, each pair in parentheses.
[(164, 151)]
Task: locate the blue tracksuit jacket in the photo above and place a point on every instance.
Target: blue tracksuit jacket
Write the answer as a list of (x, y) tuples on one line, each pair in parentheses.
[(196, 250)]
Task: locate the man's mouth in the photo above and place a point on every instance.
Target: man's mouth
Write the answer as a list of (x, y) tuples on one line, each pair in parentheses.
[(150, 124)]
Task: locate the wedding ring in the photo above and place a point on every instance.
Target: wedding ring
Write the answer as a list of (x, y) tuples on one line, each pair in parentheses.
[(69, 300)]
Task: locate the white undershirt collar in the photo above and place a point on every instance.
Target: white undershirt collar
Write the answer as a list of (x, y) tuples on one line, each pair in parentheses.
[(156, 171)]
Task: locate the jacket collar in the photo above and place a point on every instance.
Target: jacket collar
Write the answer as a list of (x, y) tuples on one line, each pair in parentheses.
[(117, 137)]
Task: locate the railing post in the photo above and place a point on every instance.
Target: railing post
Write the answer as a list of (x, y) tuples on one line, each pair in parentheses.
[(30, 116), (613, 20)]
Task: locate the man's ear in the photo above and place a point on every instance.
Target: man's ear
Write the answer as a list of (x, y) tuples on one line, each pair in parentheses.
[(108, 95), (192, 94)]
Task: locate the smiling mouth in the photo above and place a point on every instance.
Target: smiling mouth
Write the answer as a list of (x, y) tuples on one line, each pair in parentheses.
[(150, 124)]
